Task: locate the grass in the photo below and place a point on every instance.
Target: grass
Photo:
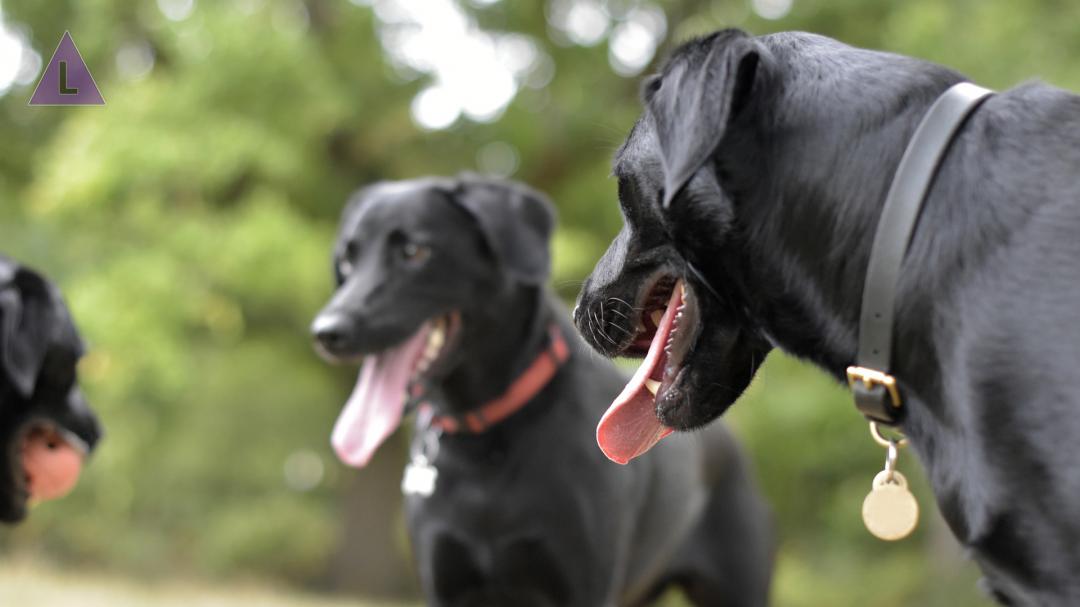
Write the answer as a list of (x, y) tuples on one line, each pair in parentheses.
[(28, 584)]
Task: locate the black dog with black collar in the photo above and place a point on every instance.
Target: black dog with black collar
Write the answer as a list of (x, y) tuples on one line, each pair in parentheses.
[(774, 155)]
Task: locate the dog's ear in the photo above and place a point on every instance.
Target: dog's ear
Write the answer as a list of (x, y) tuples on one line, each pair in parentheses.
[(516, 223), (701, 89), (26, 311)]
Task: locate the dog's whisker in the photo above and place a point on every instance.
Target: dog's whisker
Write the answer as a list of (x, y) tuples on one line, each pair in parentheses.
[(603, 333), (614, 311)]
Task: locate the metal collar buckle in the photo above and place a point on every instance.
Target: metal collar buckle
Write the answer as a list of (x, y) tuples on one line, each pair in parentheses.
[(872, 378), (876, 394)]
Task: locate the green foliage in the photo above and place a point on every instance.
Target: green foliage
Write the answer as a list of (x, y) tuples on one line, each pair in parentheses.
[(189, 223)]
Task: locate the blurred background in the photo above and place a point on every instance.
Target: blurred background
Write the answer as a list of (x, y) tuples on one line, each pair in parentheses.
[(189, 223)]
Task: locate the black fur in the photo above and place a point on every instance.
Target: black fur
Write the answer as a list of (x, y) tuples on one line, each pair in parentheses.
[(530, 512), (776, 202), (39, 349)]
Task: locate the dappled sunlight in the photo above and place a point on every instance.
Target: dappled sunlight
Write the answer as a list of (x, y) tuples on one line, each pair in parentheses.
[(473, 73), (19, 63)]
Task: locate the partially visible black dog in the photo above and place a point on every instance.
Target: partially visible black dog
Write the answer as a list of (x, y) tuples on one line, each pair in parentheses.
[(46, 428), (773, 156), (441, 294)]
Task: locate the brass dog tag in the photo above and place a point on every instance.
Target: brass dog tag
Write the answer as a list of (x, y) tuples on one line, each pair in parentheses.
[(889, 511)]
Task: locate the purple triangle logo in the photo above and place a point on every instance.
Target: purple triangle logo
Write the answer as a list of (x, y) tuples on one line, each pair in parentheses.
[(67, 80)]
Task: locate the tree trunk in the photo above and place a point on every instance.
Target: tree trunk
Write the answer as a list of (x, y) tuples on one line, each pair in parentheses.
[(372, 557)]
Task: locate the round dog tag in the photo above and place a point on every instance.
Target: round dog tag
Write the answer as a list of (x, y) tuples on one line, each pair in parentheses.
[(889, 511)]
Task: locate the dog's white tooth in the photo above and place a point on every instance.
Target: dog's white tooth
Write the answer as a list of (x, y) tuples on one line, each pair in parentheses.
[(652, 385), (682, 289), (431, 350), (656, 316)]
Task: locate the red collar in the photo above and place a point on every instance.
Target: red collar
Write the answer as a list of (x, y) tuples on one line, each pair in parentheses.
[(524, 388)]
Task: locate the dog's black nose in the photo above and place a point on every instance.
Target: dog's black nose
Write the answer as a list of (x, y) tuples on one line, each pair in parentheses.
[(331, 331)]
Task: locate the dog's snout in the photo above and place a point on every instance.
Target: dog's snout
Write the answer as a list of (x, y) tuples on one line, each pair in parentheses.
[(331, 331)]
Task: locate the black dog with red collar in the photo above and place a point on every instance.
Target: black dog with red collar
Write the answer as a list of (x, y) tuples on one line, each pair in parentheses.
[(509, 502)]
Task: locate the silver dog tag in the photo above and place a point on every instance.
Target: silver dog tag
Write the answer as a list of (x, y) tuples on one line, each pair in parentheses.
[(420, 477)]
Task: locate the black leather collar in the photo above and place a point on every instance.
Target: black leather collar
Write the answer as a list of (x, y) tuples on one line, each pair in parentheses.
[(877, 395)]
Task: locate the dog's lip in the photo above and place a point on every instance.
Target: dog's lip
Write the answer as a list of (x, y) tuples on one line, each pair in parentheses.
[(682, 338), (639, 343), (651, 298), (338, 358), (435, 365), (453, 318)]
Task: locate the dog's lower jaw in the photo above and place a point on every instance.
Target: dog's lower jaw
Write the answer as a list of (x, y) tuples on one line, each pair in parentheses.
[(678, 407)]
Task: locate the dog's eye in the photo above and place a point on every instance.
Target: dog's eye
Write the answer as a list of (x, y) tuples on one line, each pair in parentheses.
[(345, 267), (414, 253)]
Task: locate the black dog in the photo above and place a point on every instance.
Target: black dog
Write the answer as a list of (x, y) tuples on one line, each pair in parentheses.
[(441, 294), (46, 428), (774, 155)]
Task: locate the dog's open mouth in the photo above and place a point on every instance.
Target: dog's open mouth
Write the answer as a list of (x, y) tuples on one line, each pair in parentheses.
[(389, 381), (667, 329), (48, 459)]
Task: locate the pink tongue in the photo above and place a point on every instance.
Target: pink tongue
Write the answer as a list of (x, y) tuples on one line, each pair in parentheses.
[(50, 463), (630, 426), (377, 403)]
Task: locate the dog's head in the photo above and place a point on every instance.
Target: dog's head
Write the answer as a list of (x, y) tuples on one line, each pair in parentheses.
[(647, 297), (46, 427), (419, 264)]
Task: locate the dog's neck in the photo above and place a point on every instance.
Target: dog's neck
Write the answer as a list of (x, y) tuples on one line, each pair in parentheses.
[(498, 343), (808, 224)]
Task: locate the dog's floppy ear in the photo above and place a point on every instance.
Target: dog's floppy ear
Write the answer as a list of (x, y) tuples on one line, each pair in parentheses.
[(26, 312), (516, 223), (692, 102)]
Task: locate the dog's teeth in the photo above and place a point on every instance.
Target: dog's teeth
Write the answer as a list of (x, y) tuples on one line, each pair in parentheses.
[(652, 385), (436, 339), (656, 316), (682, 289)]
